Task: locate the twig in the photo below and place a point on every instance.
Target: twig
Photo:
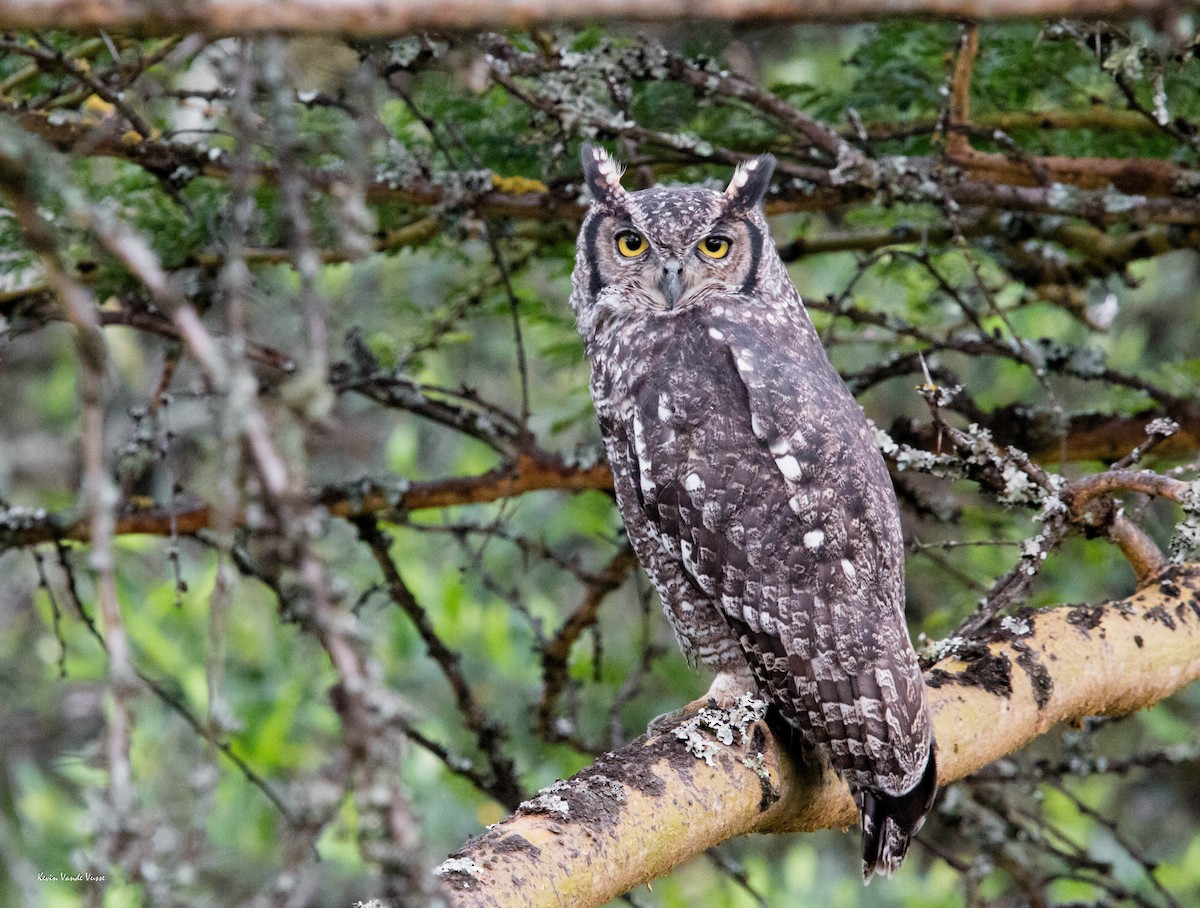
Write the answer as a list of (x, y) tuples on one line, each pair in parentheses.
[(556, 653), (503, 784)]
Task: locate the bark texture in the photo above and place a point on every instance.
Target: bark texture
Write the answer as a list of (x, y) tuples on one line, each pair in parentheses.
[(636, 813), (375, 17)]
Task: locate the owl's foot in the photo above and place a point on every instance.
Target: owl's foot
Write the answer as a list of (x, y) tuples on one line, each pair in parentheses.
[(667, 722), (723, 693)]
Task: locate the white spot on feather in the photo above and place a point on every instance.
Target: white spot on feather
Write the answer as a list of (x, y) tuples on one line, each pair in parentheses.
[(789, 466), (716, 334), (740, 176), (664, 409), (643, 456), (609, 169), (779, 447), (693, 482), (813, 538), (848, 570)]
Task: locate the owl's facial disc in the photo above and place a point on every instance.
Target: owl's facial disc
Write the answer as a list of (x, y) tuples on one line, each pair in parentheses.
[(667, 249), (663, 267)]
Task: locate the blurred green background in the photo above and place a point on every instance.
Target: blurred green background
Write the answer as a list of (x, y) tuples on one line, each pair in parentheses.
[(1081, 817)]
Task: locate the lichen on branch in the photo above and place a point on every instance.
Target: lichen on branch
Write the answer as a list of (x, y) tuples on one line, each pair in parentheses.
[(635, 813)]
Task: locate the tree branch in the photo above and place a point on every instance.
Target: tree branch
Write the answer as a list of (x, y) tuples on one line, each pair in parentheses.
[(370, 17), (1087, 437), (20, 527), (638, 812), (1147, 190)]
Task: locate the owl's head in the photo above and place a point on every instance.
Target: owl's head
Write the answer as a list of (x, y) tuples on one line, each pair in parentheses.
[(668, 248)]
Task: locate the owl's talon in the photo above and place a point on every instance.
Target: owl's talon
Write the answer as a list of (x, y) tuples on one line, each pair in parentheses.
[(727, 687), (667, 722)]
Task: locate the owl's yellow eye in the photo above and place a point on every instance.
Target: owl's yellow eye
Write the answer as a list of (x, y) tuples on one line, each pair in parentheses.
[(715, 247), (631, 244)]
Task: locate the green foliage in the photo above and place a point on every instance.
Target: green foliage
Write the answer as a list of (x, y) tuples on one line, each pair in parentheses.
[(494, 580), (899, 70)]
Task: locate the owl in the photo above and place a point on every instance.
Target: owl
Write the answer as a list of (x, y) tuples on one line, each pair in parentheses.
[(751, 486)]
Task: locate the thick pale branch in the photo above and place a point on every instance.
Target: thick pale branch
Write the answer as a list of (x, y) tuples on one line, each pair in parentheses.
[(638, 812), (370, 17)]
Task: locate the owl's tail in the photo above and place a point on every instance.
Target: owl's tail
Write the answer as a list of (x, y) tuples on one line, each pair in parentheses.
[(890, 821)]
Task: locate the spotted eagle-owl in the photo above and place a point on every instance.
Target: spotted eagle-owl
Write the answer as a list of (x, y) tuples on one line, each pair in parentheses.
[(750, 483)]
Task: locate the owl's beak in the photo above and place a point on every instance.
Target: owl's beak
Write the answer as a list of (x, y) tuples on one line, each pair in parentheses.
[(670, 284)]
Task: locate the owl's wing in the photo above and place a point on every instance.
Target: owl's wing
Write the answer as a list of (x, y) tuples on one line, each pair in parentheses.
[(638, 451), (764, 481)]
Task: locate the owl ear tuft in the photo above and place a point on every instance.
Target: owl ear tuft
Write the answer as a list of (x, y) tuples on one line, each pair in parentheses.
[(602, 173), (750, 183)]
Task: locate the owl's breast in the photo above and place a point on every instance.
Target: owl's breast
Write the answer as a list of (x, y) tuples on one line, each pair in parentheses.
[(675, 353)]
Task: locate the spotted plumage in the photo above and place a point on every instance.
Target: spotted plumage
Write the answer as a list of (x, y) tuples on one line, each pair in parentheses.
[(750, 483)]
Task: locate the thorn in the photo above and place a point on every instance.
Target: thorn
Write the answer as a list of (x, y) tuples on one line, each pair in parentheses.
[(927, 391), (929, 385)]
